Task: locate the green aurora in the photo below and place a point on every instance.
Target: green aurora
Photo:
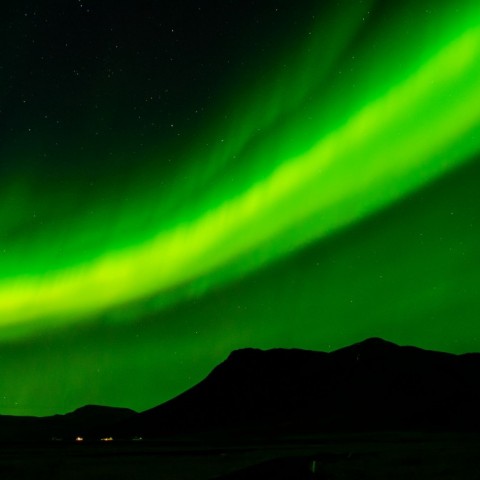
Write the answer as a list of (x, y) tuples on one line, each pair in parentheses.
[(328, 198)]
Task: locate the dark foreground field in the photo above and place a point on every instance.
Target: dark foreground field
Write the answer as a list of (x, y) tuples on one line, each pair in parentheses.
[(382, 456)]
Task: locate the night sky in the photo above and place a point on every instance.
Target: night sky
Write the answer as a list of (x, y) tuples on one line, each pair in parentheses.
[(179, 179)]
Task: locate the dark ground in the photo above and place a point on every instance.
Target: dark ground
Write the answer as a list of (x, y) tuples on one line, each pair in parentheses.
[(383, 456)]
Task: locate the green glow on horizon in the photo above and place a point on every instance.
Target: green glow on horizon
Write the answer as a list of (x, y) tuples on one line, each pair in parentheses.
[(416, 131)]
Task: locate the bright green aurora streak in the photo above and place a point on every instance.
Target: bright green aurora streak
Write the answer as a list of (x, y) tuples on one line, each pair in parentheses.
[(418, 128)]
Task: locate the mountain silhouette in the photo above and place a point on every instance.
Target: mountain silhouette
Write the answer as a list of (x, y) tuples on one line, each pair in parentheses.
[(81, 422), (369, 386), (374, 385)]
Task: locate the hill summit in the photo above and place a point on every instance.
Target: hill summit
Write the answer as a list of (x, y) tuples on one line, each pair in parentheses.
[(371, 385)]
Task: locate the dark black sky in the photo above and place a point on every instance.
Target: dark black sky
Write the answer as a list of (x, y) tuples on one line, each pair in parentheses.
[(84, 73)]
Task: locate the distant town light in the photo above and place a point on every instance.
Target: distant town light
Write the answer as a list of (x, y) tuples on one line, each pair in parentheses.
[(79, 439), (106, 439)]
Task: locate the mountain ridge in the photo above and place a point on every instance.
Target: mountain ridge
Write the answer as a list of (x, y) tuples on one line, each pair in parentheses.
[(83, 421), (367, 386), (393, 387)]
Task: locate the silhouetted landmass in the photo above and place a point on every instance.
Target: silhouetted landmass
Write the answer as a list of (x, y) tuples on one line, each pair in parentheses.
[(82, 422), (374, 385), (370, 386)]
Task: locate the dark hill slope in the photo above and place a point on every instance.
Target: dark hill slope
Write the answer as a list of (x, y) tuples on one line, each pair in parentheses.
[(372, 385), (81, 422)]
